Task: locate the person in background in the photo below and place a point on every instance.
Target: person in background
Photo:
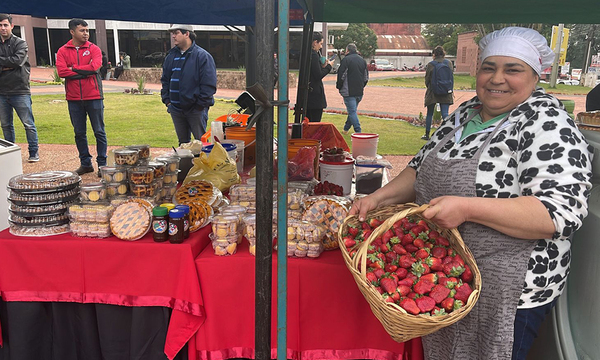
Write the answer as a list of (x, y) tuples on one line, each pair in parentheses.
[(79, 62), (14, 86), (126, 61), (592, 99), (511, 170), (319, 68), (189, 82), (352, 77), (430, 97)]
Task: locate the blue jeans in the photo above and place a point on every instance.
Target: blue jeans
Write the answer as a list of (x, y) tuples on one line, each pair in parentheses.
[(22, 105), (188, 123), (429, 118), (94, 109), (527, 325), (351, 103)]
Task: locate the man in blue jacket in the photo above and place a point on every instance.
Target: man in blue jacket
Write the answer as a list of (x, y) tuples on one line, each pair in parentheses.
[(352, 78), (189, 82)]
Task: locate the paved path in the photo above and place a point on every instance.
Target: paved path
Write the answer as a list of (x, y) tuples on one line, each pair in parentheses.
[(378, 100)]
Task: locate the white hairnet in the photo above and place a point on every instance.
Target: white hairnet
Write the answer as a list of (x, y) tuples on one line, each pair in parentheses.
[(521, 43)]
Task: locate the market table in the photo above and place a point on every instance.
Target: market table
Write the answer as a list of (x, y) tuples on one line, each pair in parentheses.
[(328, 318), (143, 273)]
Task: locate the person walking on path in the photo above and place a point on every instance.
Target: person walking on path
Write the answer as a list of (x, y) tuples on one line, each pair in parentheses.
[(14, 86), (189, 83), (352, 77), (437, 87), (319, 68), (79, 62)]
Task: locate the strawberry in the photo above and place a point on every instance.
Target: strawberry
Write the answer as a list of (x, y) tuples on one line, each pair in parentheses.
[(434, 263), (422, 254), (425, 304), (406, 282), (388, 284), (417, 229), (379, 290), (439, 293), (467, 275), (384, 248), (379, 272), (391, 256), (423, 224), (407, 239), (403, 290), (353, 252), (411, 248), (439, 252), (387, 298), (438, 312), (401, 272), (458, 304), (431, 277), (387, 236), (447, 304), (448, 259), (367, 233), (412, 295), (423, 287), (399, 249), (440, 240), (406, 261), (353, 231), (373, 223), (349, 242), (365, 226), (448, 282), (412, 276), (410, 306), (459, 259), (418, 242), (433, 234), (396, 296), (453, 268), (462, 292), (390, 268), (371, 277)]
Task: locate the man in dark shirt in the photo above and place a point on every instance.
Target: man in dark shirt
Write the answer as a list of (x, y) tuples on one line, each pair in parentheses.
[(592, 100)]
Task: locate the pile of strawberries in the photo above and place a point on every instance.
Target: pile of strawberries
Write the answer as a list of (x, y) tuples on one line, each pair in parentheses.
[(413, 266), (327, 188)]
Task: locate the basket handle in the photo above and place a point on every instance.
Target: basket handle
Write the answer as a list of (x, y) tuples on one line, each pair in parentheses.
[(361, 254)]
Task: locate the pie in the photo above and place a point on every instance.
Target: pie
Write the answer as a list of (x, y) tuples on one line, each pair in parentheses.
[(130, 221), (195, 190)]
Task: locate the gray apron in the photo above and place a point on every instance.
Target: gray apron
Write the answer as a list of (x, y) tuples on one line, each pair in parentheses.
[(487, 331)]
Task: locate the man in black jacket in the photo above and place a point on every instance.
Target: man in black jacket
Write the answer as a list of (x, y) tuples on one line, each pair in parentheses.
[(352, 77), (14, 86)]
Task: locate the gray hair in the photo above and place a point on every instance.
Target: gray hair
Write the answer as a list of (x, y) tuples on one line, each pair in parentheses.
[(351, 48)]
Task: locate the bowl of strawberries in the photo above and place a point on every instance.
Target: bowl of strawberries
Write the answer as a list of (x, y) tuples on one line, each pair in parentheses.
[(417, 277)]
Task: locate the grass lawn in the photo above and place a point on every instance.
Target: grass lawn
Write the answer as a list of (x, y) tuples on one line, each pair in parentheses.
[(143, 119), (465, 82)]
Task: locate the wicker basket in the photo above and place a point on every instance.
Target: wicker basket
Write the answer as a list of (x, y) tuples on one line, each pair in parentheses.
[(397, 322)]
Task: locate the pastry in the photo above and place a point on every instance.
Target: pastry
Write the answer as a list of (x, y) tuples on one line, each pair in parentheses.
[(195, 189), (142, 175), (130, 221)]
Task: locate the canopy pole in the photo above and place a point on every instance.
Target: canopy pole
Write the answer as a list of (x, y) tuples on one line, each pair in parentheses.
[(265, 13), (282, 159), (303, 77)]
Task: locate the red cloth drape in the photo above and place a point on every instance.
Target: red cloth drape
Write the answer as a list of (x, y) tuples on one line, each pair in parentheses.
[(108, 271), (328, 318), (327, 133)]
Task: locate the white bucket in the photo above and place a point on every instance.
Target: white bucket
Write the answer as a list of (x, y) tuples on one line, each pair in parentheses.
[(364, 144), (239, 160), (339, 173)]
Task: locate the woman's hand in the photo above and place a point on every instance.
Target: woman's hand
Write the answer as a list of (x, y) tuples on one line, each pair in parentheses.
[(362, 206), (447, 211)]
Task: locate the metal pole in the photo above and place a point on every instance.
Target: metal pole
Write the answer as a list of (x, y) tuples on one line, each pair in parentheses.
[(282, 159), (250, 60), (305, 53), (265, 12), (554, 73)]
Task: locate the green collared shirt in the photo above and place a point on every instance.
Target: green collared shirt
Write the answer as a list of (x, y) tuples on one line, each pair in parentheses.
[(476, 125)]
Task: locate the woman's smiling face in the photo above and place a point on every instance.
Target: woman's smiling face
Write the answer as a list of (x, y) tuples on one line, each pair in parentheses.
[(503, 82)]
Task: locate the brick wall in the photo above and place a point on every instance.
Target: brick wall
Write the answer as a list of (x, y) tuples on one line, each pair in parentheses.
[(467, 53)]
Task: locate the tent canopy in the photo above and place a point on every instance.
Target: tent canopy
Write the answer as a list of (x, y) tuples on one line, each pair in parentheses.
[(242, 12)]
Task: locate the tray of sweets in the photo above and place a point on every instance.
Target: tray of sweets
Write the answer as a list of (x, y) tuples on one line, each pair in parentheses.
[(37, 231), (44, 182), (43, 199), (25, 210), (38, 220)]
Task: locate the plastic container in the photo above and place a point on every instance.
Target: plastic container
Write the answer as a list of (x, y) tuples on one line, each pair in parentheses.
[(141, 175), (369, 178), (339, 173), (172, 163), (295, 144), (364, 144), (249, 138), (93, 192), (230, 148), (112, 174), (239, 159), (126, 156)]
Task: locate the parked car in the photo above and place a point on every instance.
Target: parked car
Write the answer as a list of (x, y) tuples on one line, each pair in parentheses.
[(381, 65)]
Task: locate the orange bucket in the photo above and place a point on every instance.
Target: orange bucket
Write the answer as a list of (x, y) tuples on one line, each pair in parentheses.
[(249, 137), (295, 144), (240, 118)]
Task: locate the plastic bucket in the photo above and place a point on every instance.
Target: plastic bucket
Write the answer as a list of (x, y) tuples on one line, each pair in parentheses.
[(339, 173), (230, 148), (239, 158), (249, 138), (364, 144), (295, 144), (368, 178)]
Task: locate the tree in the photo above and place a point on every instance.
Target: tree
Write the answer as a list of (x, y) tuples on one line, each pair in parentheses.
[(359, 34), (581, 37)]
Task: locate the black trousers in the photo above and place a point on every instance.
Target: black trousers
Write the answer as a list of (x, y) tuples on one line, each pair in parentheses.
[(72, 331), (314, 115)]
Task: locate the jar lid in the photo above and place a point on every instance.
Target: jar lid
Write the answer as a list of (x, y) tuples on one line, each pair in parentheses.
[(168, 206), (157, 163), (185, 208), (92, 186), (160, 211), (168, 159), (126, 151), (364, 136), (176, 214)]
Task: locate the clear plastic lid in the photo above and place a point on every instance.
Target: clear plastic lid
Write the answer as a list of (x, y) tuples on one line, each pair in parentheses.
[(43, 181), (141, 175), (126, 156), (143, 150)]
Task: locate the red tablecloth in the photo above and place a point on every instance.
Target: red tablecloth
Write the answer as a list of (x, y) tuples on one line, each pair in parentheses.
[(328, 318), (327, 133), (108, 271)]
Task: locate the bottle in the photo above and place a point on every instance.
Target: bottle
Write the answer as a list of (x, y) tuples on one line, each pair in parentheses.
[(160, 224), (186, 219), (176, 230)]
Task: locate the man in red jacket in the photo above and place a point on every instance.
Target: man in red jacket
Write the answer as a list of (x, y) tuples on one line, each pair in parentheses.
[(79, 62)]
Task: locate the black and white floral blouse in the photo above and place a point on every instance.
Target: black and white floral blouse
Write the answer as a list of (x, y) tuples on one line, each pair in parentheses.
[(537, 152)]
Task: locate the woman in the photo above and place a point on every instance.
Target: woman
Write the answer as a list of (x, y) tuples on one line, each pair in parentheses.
[(512, 172), (318, 69), (430, 98)]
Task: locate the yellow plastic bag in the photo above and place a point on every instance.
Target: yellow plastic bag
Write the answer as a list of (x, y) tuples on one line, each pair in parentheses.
[(217, 168)]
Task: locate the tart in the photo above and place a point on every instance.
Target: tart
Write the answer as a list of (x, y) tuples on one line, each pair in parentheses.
[(130, 221)]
